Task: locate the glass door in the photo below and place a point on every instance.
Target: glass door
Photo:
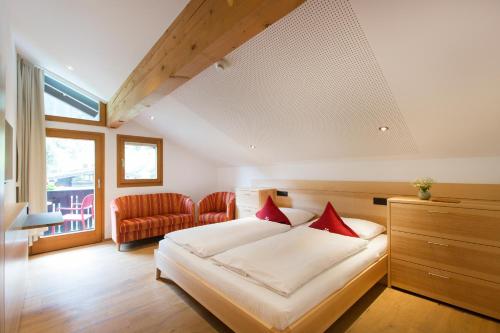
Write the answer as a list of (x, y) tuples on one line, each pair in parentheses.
[(75, 187)]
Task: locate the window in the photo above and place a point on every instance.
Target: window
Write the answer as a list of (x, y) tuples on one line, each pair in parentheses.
[(64, 103), (140, 161)]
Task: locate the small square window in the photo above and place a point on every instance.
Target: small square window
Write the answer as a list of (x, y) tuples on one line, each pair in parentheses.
[(140, 161)]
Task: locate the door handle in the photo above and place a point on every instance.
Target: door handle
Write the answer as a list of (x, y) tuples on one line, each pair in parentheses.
[(98, 183)]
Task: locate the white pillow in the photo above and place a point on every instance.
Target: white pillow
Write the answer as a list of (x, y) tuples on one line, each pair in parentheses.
[(297, 216), (365, 229)]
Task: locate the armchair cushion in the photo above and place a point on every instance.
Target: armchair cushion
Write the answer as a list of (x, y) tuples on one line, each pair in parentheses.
[(213, 217)]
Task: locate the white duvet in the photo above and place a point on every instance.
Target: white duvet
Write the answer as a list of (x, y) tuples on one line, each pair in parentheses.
[(207, 240), (285, 262)]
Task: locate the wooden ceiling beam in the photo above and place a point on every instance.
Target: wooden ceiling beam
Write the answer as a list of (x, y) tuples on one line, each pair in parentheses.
[(203, 33)]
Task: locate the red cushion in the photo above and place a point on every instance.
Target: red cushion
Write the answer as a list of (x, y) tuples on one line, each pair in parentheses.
[(331, 221), (271, 212)]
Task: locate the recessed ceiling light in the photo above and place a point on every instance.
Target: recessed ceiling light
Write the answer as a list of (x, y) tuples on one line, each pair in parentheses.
[(69, 67), (152, 117), (252, 147), (383, 128)]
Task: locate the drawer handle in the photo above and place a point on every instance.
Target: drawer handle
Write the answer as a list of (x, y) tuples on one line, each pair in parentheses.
[(436, 212), (434, 243), (437, 275)]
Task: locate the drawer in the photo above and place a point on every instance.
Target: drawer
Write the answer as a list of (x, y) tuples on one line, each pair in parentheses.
[(243, 211), (475, 260), (470, 225), (248, 198), (470, 293)]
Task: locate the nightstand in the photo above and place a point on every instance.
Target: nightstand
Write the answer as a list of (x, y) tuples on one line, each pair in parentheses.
[(250, 200)]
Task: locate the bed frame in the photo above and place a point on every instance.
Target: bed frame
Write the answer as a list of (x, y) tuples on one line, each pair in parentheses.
[(318, 319), (352, 199)]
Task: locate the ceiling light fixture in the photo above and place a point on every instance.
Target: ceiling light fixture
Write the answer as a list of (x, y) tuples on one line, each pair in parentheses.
[(252, 147), (69, 67), (383, 128), (152, 117)]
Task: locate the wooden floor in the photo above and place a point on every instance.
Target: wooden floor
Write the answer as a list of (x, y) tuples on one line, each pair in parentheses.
[(97, 289)]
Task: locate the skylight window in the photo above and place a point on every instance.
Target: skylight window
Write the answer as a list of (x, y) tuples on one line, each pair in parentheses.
[(65, 103)]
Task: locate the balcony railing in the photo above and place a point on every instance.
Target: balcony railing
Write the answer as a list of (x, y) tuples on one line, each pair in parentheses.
[(68, 200)]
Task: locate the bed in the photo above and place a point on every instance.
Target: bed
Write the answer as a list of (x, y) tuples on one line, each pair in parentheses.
[(213, 285), (245, 306)]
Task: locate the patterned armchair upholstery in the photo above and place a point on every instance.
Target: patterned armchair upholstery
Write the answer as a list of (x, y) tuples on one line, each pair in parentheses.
[(135, 217), (216, 207)]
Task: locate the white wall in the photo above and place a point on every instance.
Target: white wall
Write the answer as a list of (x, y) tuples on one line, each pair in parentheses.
[(453, 170), (183, 172), (11, 108)]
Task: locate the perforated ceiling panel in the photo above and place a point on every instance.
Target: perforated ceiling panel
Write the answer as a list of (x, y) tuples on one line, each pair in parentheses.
[(308, 87)]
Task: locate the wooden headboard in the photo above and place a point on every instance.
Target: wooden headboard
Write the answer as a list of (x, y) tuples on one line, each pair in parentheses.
[(356, 199)]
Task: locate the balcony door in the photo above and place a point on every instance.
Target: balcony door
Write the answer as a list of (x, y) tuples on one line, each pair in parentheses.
[(75, 187)]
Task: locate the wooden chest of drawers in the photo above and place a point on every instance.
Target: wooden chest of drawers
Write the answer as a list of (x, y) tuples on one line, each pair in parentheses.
[(250, 200), (447, 251)]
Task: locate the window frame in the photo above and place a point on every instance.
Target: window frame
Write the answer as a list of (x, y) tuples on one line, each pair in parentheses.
[(102, 106), (120, 161), (100, 122)]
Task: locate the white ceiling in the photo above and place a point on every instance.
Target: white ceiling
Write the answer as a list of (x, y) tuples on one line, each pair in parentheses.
[(102, 39), (316, 85), (308, 88), (442, 62)]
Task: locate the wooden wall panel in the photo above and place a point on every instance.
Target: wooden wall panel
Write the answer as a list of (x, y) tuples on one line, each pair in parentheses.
[(439, 190), (16, 261), (355, 199)]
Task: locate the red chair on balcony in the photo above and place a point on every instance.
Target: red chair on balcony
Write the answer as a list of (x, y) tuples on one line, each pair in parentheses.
[(216, 207), (79, 213)]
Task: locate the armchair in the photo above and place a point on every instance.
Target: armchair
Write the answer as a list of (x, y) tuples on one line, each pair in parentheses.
[(216, 207)]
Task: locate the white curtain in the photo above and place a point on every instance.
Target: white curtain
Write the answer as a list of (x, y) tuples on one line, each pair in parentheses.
[(31, 137)]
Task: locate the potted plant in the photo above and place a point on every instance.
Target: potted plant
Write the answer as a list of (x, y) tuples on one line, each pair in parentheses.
[(424, 185)]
